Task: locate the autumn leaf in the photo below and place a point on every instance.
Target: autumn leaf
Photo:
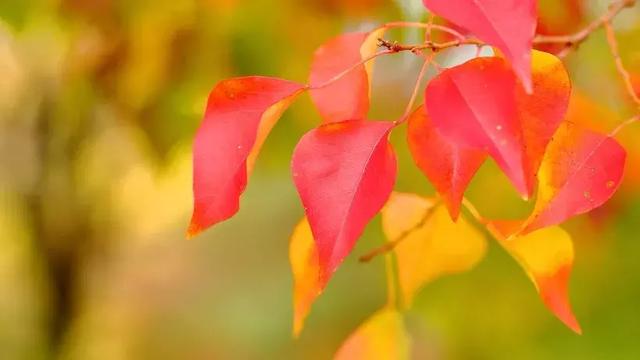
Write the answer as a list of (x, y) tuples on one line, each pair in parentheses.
[(546, 256), (432, 245), (448, 166), (477, 104), (383, 337), (474, 105), (239, 115), (509, 25), (348, 97), (344, 173), (305, 267), (581, 170)]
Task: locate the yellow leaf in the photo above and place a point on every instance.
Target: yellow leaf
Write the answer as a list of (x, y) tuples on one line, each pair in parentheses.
[(546, 256), (432, 245), (382, 336), (303, 257)]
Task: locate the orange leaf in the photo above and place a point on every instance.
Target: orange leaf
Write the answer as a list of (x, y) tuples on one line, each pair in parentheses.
[(432, 245), (347, 98), (240, 113), (305, 267), (449, 166), (382, 336), (547, 257)]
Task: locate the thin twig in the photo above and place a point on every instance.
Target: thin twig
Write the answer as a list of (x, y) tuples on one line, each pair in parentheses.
[(390, 245), (416, 90), (615, 52), (624, 124), (575, 39), (348, 70), (474, 211), (425, 26)]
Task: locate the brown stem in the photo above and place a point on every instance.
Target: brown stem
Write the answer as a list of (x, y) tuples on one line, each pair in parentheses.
[(575, 39), (390, 245)]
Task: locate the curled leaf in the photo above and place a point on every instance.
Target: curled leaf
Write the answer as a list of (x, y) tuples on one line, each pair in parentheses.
[(240, 113), (433, 245), (547, 257), (344, 173), (448, 165), (510, 25), (383, 336), (305, 267), (348, 97)]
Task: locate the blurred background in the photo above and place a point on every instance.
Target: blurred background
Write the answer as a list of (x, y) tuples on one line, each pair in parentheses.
[(99, 102)]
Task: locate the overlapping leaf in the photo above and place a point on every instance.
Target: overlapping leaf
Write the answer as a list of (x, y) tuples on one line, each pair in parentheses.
[(240, 113), (305, 267), (344, 173), (348, 97), (510, 25), (477, 104), (432, 245), (580, 171), (448, 165), (547, 257), (383, 337)]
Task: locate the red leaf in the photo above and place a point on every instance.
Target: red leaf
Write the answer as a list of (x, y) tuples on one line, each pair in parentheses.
[(473, 104), (510, 25), (449, 166), (239, 115), (344, 173), (347, 98), (581, 170), (477, 104)]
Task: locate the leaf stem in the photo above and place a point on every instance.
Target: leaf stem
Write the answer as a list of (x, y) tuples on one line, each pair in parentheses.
[(416, 89), (623, 125), (348, 70)]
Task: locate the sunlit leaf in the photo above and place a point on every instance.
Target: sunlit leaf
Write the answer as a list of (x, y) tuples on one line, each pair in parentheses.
[(303, 257), (240, 113), (581, 170), (448, 166), (344, 173), (546, 256), (510, 25), (347, 98), (383, 336), (432, 244)]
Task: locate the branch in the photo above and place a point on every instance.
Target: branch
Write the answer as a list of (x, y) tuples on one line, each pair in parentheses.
[(575, 39), (613, 45), (570, 41), (390, 245)]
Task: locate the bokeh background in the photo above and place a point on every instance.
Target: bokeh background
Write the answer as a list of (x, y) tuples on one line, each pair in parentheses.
[(99, 102)]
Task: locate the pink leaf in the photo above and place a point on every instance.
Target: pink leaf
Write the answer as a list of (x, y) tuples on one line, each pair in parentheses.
[(344, 173), (509, 25)]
